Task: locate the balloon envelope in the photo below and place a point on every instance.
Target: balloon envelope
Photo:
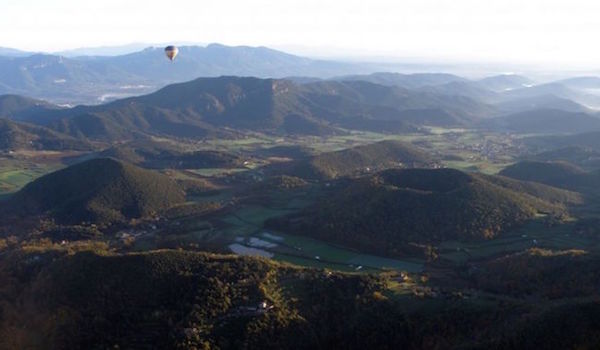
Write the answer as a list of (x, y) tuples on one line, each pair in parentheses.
[(171, 52)]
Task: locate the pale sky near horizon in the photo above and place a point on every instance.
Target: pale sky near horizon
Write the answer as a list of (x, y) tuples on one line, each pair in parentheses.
[(520, 31)]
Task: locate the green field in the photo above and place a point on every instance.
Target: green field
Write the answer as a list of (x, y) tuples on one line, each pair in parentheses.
[(244, 225), (13, 178), (436, 140), (304, 251)]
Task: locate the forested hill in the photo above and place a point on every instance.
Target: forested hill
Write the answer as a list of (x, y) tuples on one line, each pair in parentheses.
[(186, 300), (558, 173), (221, 106), (18, 136), (99, 190), (388, 212), (358, 160)]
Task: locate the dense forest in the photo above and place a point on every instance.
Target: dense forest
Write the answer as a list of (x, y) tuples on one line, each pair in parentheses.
[(100, 190), (391, 212), (359, 160), (169, 299)]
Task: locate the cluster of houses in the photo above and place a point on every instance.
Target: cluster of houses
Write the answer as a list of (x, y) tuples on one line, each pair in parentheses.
[(493, 149)]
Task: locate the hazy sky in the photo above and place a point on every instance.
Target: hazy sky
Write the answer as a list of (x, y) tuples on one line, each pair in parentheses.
[(549, 31)]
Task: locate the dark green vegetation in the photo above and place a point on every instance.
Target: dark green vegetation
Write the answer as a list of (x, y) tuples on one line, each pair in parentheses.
[(22, 108), (205, 106), (558, 174), (544, 172), (99, 191), (161, 155), (130, 294), (381, 189), (170, 299), (540, 271), (359, 160), (180, 300), (391, 212), (18, 136), (230, 107)]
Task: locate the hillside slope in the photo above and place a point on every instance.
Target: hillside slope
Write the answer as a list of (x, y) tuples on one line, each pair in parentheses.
[(558, 174), (18, 136), (585, 139), (183, 300), (585, 157), (546, 121), (160, 155), (390, 211), (171, 299), (96, 79), (539, 102), (227, 105), (17, 107), (359, 160), (544, 172), (99, 190)]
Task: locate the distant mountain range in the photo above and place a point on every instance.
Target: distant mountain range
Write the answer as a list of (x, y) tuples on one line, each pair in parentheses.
[(223, 106), (409, 81), (107, 50), (546, 121), (540, 102), (96, 79), (505, 82), (98, 75), (6, 51)]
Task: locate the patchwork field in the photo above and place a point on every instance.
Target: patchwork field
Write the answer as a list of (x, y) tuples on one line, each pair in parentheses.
[(240, 227), (244, 229)]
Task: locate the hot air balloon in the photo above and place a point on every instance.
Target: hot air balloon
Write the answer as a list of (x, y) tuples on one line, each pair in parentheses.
[(171, 51)]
